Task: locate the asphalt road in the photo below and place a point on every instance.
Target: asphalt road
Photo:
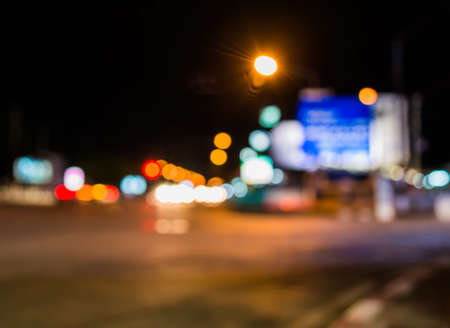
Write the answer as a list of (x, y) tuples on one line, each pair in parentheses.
[(131, 265)]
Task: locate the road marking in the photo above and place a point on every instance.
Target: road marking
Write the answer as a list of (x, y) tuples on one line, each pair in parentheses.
[(364, 311)]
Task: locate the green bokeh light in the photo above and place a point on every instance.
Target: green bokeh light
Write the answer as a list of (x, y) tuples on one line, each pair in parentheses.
[(269, 116)]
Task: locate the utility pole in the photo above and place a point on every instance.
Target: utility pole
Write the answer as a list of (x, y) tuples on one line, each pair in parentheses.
[(397, 52), (415, 101)]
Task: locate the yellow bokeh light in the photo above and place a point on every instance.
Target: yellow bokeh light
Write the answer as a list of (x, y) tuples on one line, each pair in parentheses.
[(222, 140), (218, 157), (368, 96), (161, 163), (216, 181), (180, 174), (173, 172), (84, 194), (169, 171), (188, 175), (198, 179), (99, 191), (265, 65), (165, 171)]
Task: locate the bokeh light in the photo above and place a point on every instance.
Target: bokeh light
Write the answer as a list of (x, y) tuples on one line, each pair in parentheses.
[(218, 157), (222, 140), (265, 65), (133, 185), (409, 176), (259, 140), (112, 194), (169, 171), (99, 191), (438, 178), (229, 190), (174, 194), (181, 174), (151, 169), (247, 153), (269, 116), (74, 178), (278, 176), (162, 193), (162, 163), (257, 171), (210, 195), (426, 183), (288, 134), (418, 180), (32, 170), (396, 172), (215, 181), (198, 179), (240, 188), (84, 194), (368, 96), (287, 141), (178, 174), (62, 193)]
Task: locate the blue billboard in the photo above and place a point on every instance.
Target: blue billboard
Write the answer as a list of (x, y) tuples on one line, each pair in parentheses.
[(336, 133)]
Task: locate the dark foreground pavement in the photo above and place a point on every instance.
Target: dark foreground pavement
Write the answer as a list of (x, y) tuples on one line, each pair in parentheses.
[(106, 266)]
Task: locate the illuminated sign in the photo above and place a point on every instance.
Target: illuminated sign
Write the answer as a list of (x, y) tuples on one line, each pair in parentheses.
[(336, 132), (340, 132)]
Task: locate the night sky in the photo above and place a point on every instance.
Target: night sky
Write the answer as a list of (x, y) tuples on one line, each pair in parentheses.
[(109, 86)]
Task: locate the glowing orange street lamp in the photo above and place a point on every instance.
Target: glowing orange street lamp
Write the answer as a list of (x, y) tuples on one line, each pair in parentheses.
[(265, 65)]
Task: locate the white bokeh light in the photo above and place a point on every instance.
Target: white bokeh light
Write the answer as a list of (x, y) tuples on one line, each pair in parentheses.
[(257, 171), (74, 178), (259, 140)]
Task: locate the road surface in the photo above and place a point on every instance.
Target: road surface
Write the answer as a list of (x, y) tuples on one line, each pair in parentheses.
[(131, 265)]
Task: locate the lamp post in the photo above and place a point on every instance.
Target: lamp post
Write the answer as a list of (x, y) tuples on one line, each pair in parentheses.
[(263, 67)]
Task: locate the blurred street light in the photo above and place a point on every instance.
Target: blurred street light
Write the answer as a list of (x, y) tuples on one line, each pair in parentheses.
[(265, 65), (259, 140), (84, 194), (368, 96), (269, 116), (218, 157), (222, 140), (257, 171), (246, 153), (62, 193), (99, 191), (133, 185), (215, 181), (151, 169), (74, 178)]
